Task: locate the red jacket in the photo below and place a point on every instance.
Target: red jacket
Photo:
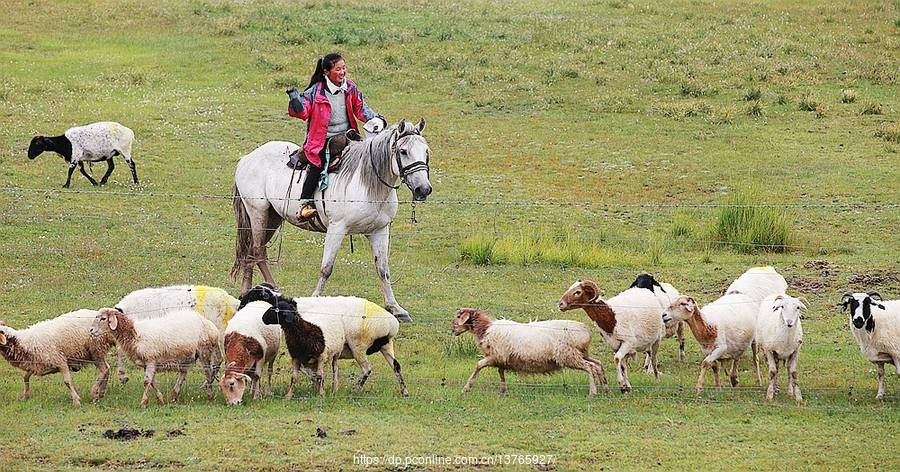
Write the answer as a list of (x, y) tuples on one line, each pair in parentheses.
[(317, 112)]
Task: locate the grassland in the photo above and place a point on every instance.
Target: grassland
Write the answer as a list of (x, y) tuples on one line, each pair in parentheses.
[(615, 127)]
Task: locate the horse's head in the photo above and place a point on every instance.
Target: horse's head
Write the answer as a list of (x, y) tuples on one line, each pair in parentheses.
[(411, 158)]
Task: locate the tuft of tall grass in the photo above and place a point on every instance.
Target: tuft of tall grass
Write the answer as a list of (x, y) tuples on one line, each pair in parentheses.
[(848, 96), (889, 132), (682, 227), (541, 248), (808, 103), (753, 95), (748, 227), (460, 346), (755, 109), (871, 108), (477, 249)]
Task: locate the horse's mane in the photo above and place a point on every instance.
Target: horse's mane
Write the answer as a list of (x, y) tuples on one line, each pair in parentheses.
[(356, 160)]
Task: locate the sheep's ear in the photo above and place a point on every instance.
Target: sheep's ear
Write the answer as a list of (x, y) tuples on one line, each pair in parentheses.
[(2, 339), (113, 321), (231, 364), (463, 315)]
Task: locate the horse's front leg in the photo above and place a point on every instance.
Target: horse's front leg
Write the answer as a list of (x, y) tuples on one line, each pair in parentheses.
[(333, 239), (380, 241)]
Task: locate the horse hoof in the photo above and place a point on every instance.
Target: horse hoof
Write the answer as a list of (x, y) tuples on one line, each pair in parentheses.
[(403, 318)]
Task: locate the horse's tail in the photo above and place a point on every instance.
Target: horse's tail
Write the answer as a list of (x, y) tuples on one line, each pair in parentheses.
[(243, 241)]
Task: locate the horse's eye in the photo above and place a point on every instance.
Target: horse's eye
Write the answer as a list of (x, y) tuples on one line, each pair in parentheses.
[(403, 151)]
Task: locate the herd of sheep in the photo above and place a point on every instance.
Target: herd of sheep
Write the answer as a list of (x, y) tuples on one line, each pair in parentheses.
[(173, 328)]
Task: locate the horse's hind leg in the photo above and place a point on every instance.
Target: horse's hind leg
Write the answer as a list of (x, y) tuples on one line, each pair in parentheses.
[(260, 239), (333, 239), (380, 240)]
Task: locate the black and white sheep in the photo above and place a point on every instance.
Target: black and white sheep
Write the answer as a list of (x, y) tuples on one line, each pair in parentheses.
[(875, 323), (91, 143), (62, 344)]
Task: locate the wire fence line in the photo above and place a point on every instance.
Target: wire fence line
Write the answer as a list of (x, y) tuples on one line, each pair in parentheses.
[(464, 202)]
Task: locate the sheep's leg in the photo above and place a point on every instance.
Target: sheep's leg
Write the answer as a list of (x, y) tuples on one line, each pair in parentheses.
[(333, 239), (772, 362), (647, 363), (270, 366), (99, 388), (120, 366), (131, 165), (679, 333), (485, 362), (26, 377), (72, 167), (388, 352), (319, 377), (654, 350), (896, 360), (502, 372), (880, 394), (755, 350), (599, 372), (710, 363), (792, 372), (176, 391), (585, 366), (733, 375), (621, 358), (365, 367), (210, 368), (290, 392), (715, 369), (67, 379), (85, 174), (109, 169), (150, 382)]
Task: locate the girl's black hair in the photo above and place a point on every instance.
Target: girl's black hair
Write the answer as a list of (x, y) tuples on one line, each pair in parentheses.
[(324, 63)]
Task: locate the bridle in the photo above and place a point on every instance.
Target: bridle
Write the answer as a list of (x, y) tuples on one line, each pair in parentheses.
[(405, 171)]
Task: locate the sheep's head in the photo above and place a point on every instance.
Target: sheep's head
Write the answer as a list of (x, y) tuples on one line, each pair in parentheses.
[(790, 308), (464, 320), (582, 293), (37, 146), (860, 305), (681, 309), (233, 384), (263, 292), (106, 319), (283, 313)]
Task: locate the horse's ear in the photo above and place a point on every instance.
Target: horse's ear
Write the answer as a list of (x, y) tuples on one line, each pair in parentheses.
[(421, 125), (401, 128)]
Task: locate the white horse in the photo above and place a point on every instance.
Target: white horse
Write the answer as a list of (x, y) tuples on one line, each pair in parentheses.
[(361, 198)]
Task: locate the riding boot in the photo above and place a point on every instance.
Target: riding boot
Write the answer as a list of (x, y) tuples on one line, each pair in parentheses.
[(308, 205)]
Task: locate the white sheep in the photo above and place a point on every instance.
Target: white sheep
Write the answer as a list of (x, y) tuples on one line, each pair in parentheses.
[(724, 329), (666, 295), (875, 323), (172, 342), (757, 283), (539, 347), (249, 345), (779, 335), (630, 322), (62, 344), (331, 328), (214, 304), (91, 143)]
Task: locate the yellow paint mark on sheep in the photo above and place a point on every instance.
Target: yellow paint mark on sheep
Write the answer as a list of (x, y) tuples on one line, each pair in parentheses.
[(200, 293), (227, 308), (370, 311), (768, 269)]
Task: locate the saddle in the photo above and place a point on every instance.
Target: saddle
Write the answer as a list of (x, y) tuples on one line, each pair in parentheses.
[(336, 144)]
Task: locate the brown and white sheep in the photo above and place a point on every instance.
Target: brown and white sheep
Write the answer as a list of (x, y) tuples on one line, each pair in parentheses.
[(249, 345), (62, 344), (539, 347), (173, 342)]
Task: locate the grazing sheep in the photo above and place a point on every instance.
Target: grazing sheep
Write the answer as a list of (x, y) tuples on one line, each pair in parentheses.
[(172, 342), (212, 303), (249, 344), (96, 142), (875, 324), (350, 327), (757, 283), (724, 328), (630, 322), (779, 336), (666, 294), (539, 347), (62, 344)]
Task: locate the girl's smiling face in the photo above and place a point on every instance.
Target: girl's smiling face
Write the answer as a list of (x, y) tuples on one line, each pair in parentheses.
[(337, 72)]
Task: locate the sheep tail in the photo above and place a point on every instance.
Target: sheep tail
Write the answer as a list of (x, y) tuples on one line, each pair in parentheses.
[(243, 241)]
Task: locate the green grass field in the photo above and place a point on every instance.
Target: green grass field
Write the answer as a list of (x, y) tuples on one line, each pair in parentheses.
[(582, 139)]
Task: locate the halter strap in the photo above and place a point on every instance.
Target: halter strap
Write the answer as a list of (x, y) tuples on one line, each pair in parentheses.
[(404, 170)]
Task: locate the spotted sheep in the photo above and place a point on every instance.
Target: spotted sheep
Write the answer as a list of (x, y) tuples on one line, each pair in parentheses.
[(875, 323), (250, 344), (173, 342), (62, 344), (318, 330), (538, 347), (630, 322), (91, 143), (779, 335)]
